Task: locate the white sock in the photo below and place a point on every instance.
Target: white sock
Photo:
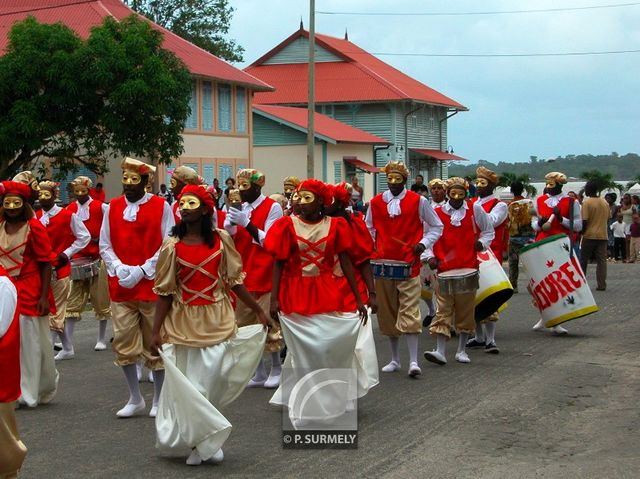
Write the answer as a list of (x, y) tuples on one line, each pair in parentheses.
[(67, 336), (131, 375), (490, 328), (394, 342), (102, 330), (412, 345), (441, 344), (462, 342), (480, 336), (54, 337), (158, 379), (431, 306), (261, 372), (276, 366)]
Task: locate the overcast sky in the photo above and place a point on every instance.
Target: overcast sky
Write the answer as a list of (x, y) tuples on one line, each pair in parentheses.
[(543, 106)]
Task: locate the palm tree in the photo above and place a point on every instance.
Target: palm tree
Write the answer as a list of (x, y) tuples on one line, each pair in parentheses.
[(507, 178), (604, 181)]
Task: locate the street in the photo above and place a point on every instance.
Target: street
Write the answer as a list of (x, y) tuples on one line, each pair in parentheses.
[(544, 407)]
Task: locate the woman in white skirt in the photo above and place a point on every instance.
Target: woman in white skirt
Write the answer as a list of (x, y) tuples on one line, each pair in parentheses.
[(207, 359)]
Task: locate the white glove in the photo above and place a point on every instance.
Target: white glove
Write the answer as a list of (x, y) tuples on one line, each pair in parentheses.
[(122, 271), (238, 217), (135, 276)]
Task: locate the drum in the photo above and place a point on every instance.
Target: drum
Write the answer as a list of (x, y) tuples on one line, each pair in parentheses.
[(458, 281), (390, 269), (556, 281), (495, 288), (84, 268)]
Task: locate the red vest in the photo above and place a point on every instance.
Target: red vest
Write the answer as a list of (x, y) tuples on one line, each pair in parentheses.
[(61, 237), (456, 247), (500, 241), (174, 208), (10, 359), (396, 237), (134, 243), (556, 225), (93, 224), (256, 262)]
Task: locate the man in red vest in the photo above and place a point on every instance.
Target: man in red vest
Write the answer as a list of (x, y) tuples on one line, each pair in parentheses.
[(182, 176), (498, 213), (68, 235), (557, 214), (467, 230), (12, 449), (403, 225), (248, 225), (132, 233), (91, 212)]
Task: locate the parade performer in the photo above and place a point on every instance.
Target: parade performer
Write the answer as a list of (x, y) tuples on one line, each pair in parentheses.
[(12, 449), (557, 214), (182, 176), (90, 212), (132, 232), (26, 255), (208, 360), (497, 211), (27, 178), (249, 224), (314, 294), (467, 230), (68, 235), (520, 231), (220, 215), (290, 184), (403, 225), (438, 192)]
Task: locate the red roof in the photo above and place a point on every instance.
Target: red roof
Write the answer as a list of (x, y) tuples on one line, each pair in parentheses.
[(438, 155), (332, 130), (81, 16), (360, 77)]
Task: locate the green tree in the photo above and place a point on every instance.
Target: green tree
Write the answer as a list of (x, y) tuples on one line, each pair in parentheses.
[(84, 102), (202, 22), (633, 182), (507, 178), (604, 181)]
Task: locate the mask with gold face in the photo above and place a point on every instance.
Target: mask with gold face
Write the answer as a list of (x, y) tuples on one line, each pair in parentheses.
[(173, 182), (244, 184), (306, 197), (189, 202), (80, 190), (482, 182), (131, 178), (457, 194), (45, 195), (550, 184), (395, 179), (295, 197), (12, 202)]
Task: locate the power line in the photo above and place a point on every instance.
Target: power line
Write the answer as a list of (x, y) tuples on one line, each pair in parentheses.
[(503, 12), (482, 55)]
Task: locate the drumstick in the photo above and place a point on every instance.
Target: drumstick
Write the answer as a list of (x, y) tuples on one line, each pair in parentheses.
[(403, 243)]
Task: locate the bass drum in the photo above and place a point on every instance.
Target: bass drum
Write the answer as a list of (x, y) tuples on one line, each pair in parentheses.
[(495, 288)]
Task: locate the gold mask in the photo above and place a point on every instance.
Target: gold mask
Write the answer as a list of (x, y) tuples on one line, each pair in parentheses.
[(482, 182), (306, 197), (81, 191), (131, 178), (244, 184), (457, 194), (173, 183), (295, 197), (189, 202), (12, 203), (45, 195), (551, 184), (34, 185), (288, 189), (395, 178)]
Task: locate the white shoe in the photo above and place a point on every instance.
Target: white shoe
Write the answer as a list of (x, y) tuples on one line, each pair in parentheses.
[(414, 370), (62, 355), (539, 326), (392, 367), (462, 357), (559, 330), (100, 346), (132, 409), (217, 458), (272, 382), (256, 383), (194, 458), (154, 411), (435, 357)]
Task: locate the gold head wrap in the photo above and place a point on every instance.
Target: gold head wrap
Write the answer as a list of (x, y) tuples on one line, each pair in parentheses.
[(293, 181), (395, 167), (556, 176), (457, 182), (488, 175), (187, 175), (27, 178), (137, 166), (437, 182), (82, 181), (254, 176), (49, 185)]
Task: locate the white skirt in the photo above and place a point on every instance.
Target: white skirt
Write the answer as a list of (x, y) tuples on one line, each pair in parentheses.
[(38, 373), (197, 382), (366, 360)]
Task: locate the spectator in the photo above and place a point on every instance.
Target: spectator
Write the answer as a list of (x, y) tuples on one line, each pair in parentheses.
[(419, 187), (230, 184), (97, 193), (611, 198), (619, 236), (357, 194), (595, 216), (634, 231), (165, 193), (472, 186), (219, 197), (627, 209)]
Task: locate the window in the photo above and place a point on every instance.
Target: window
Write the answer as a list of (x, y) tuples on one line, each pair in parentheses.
[(207, 173), (225, 171), (224, 107), (207, 106), (337, 171), (193, 166), (192, 119), (241, 110)]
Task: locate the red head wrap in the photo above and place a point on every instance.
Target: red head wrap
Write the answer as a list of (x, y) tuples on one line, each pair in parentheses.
[(16, 188), (318, 188), (341, 194), (200, 192)]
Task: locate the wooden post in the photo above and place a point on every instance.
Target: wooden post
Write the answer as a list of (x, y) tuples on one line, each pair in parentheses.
[(311, 101)]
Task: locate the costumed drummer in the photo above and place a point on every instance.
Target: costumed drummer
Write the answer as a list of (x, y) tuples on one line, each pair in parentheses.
[(68, 235), (557, 214), (27, 178), (26, 255), (290, 183), (182, 176), (467, 230), (94, 287), (208, 360), (144, 220), (437, 192), (249, 223), (403, 225), (497, 211)]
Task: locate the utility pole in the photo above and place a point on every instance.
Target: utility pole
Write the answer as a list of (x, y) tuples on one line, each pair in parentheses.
[(311, 101)]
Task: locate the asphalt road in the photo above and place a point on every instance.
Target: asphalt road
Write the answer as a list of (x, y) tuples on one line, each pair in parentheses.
[(544, 407)]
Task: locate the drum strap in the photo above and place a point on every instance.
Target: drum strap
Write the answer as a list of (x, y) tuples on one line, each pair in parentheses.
[(200, 268), (570, 227)]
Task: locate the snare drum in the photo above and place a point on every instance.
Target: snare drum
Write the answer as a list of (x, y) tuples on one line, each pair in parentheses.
[(458, 281), (391, 269), (84, 268)]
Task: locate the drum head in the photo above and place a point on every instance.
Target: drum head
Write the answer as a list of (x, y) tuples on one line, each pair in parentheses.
[(458, 273), (492, 303)]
